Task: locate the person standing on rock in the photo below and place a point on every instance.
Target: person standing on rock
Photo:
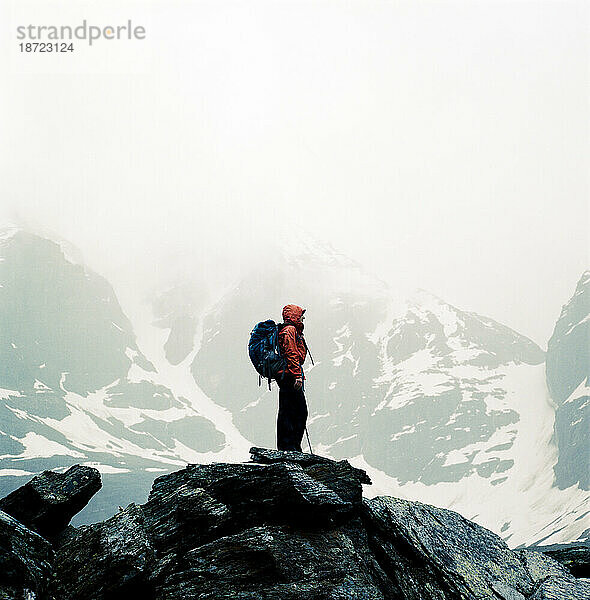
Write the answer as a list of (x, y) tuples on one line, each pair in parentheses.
[(292, 416)]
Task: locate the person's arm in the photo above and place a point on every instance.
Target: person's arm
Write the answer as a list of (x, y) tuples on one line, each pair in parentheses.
[(290, 348)]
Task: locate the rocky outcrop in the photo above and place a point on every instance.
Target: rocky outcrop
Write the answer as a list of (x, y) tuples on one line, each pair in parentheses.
[(48, 502), (432, 553), (26, 562), (560, 588), (574, 557), (553, 581), (286, 526), (540, 566), (106, 560)]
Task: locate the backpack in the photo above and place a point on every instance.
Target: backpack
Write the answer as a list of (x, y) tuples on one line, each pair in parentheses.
[(264, 351)]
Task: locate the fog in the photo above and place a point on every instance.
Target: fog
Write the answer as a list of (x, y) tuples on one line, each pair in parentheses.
[(441, 144)]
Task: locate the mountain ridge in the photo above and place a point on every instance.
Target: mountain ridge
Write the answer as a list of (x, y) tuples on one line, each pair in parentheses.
[(438, 401)]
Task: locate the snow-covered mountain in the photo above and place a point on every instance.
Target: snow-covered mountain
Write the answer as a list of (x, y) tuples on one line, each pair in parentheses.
[(568, 379), (438, 404), (76, 388)]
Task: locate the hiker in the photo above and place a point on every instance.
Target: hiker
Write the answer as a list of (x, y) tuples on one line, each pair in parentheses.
[(292, 416)]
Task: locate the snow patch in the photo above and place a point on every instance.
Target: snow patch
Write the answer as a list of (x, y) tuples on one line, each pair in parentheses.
[(584, 320), (14, 472), (582, 390), (38, 446), (105, 468)]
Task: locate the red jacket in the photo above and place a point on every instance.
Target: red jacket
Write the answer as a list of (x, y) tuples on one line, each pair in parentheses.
[(291, 340)]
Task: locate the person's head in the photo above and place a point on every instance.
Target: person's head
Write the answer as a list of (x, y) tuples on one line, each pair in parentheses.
[(293, 314)]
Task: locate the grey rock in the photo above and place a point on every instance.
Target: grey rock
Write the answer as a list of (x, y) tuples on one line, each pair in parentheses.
[(290, 527), (274, 563), (265, 455), (339, 476), (541, 566), (560, 588), (106, 560), (181, 517), (26, 559), (506, 592), (47, 503), (575, 557), (436, 554), (278, 492)]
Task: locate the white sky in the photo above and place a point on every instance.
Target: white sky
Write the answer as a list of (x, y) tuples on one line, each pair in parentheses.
[(442, 144)]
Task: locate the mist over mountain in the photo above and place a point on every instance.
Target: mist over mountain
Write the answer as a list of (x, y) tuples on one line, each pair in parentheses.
[(437, 403), (75, 384), (446, 405)]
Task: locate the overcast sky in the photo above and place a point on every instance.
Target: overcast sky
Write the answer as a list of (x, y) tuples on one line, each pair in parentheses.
[(444, 144)]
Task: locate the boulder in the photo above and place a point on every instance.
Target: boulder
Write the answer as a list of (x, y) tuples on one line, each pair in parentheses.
[(47, 503), (575, 556), (111, 560), (217, 511), (26, 559), (435, 554), (274, 563), (280, 492), (183, 517), (339, 476), (554, 580), (562, 588), (540, 566), (267, 456)]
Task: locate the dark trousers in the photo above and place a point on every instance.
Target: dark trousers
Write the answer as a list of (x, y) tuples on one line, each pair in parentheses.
[(292, 415)]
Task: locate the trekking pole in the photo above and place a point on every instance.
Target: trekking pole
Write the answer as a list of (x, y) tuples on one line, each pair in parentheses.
[(310, 356), (308, 442), (303, 388)]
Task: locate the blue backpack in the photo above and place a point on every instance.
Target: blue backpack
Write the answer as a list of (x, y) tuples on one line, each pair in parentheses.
[(264, 351)]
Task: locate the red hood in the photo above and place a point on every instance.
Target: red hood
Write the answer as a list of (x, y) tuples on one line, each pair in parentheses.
[(292, 314)]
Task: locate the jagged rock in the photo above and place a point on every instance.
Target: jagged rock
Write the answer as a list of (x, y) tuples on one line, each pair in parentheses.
[(575, 556), (340, 476), (26, 558), (289, 527), (181, 517), (274, 563), (266, 456), (110, 560), (47, 503), (506, 592), (561, 588), (435, 554), (279, 492), (540, 566), (193, 506)]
